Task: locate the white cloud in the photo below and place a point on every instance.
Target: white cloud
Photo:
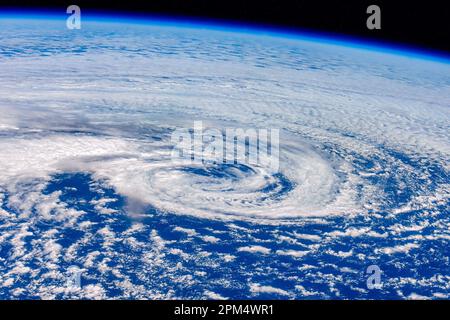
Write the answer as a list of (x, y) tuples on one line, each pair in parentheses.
[(404, 248), (292, 253), (257, 288), (211, 239), (255, 249)]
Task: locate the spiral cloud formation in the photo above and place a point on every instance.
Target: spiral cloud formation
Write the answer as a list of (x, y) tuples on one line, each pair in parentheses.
[(92, 162)]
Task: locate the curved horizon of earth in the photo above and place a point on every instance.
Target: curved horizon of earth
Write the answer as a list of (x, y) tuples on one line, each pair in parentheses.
[(94, 205)]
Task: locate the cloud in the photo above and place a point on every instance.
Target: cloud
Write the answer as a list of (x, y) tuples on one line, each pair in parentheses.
[(257, 288), (255, 249)]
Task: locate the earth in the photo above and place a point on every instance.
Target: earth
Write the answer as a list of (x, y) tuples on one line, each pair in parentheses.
[(93, 204)]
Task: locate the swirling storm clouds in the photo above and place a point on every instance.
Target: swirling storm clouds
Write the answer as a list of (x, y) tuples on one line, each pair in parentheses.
[(88, 179)]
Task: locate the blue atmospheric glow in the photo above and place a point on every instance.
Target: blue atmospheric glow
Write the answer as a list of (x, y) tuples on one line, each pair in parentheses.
[(237, 27)]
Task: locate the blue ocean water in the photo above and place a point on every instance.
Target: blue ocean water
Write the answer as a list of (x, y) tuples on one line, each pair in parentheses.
[(229, 280)]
